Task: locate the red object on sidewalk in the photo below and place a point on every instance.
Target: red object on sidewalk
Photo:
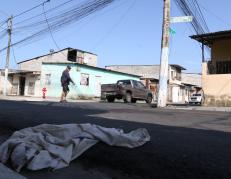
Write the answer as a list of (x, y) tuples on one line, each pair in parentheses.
[(44, 90)]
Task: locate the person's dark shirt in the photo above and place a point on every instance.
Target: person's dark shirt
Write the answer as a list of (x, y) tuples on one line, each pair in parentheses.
[(65, 78)]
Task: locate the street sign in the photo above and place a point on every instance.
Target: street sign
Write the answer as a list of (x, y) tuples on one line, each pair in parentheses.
[(181, 19), (173, 32)]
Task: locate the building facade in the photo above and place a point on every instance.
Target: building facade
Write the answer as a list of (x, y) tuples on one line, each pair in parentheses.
[(26, 80), (88, 79), (216, 72)]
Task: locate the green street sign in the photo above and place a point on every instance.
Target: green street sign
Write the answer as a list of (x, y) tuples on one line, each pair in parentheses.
[(173, 32)]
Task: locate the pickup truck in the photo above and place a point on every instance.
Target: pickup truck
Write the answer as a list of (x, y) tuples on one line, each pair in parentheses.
[(128, 90)]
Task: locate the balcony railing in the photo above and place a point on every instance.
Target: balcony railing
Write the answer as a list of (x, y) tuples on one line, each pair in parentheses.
[(220, 67)]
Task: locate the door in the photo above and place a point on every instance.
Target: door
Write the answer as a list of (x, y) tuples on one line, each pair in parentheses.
[(97, 86), (135, 89), (22, 82), (175, 94), (142, 90), (139, 90)]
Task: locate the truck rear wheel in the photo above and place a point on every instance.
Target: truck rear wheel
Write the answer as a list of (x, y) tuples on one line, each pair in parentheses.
[(128, 98), (149, 99), (133, 100), (110, 99)]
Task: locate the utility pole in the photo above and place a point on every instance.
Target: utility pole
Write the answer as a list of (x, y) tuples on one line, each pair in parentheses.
[(9, 29), (163, 76)]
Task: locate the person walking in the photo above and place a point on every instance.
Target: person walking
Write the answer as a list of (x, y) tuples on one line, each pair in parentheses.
[(65, 81)]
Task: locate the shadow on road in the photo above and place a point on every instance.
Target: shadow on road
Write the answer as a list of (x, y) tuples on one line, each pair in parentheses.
[(173, 152)]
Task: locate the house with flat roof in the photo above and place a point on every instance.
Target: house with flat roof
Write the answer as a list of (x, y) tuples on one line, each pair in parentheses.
[(216, 72)]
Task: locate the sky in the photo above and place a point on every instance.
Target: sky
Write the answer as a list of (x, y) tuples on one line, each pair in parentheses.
[(127, 32)]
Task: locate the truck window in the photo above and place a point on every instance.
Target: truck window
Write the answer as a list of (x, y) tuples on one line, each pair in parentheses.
[(196, 94), (141, 85), (124, 82)]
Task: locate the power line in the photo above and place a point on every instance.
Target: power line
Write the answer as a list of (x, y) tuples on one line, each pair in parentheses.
[(191, 8), (4, 13), (65, 18), (28, 10), (212, 13), (50, 10), (24, 12), (51, 34), (116, 24), (14, 55), (4, 33), (4, 22)]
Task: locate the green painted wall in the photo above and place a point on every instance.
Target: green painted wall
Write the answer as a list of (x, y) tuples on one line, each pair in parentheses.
[(54, 89)]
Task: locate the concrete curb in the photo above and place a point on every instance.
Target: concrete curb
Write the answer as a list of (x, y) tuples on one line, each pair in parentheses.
[(6, 173), (39, 99), (219, 109)]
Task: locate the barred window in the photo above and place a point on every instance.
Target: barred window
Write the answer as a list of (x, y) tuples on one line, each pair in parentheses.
[(48, 79), (223, 67), (84, 79)]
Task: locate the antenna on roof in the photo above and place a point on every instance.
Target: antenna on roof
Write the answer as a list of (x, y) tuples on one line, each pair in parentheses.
[(51, 51)]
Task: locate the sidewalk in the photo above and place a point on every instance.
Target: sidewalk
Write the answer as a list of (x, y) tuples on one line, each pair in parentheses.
[(199, 108), (48, 99)]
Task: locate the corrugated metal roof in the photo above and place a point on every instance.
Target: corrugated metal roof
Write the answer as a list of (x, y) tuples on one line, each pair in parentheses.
[(208, 38), (146, 71), (193, 79)]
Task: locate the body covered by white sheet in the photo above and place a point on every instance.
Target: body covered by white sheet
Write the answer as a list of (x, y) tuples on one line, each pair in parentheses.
[(54, 146)]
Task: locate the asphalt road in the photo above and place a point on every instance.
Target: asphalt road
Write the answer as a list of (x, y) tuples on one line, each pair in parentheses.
[(184, 144)]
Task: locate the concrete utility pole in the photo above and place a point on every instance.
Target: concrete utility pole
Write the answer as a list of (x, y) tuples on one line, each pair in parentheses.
[(9, 29), (163, 77)]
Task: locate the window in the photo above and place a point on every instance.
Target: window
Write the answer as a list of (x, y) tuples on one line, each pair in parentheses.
[(84, 79), (124, 82), (223, 67), (172, 75), (178, 74), (135, 83), (71, 56), (138, 84), (196, 94), (141, 85), (47, 79), (31, 88)]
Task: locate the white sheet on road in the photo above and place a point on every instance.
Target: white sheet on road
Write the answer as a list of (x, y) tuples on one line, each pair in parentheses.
[(54, 146)]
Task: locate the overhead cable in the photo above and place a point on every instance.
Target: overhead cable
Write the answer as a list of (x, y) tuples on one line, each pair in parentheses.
[(67, 17), (28, 10)]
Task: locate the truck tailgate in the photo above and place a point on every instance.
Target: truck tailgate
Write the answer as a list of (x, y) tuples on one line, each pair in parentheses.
[(108, 87)]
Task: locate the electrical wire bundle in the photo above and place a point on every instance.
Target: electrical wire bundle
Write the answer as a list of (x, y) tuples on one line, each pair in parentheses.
[(59, 17), (192, 8)]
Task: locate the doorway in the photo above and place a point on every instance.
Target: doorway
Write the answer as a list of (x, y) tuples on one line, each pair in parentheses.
[(22, 81)]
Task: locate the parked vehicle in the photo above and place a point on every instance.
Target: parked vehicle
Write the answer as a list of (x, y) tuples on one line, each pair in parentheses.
[(196, 99), (128, 90)]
